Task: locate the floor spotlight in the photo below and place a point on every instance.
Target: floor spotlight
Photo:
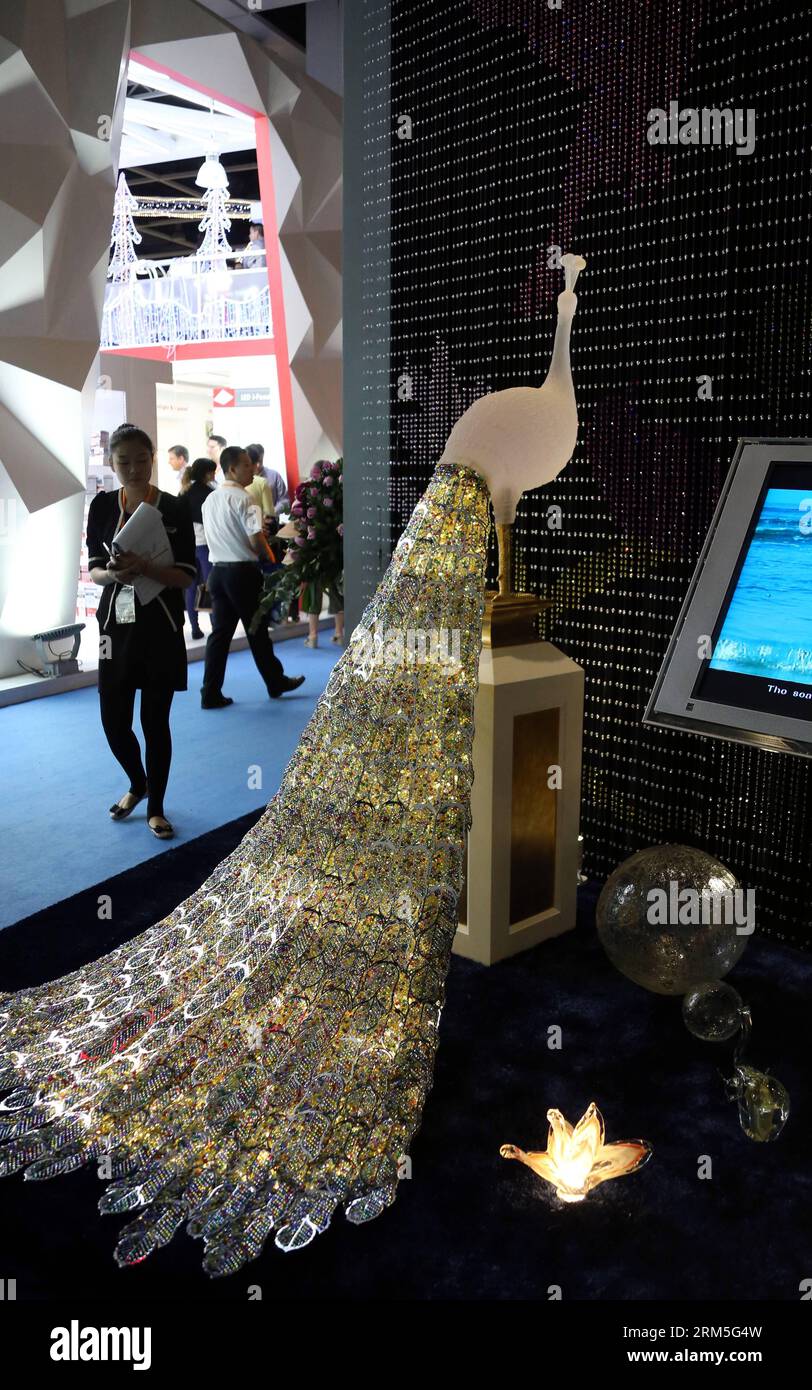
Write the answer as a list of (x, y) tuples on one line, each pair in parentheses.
[(62, 663)]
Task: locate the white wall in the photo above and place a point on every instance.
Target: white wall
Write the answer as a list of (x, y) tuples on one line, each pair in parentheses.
[(185, 417), (195, 383)]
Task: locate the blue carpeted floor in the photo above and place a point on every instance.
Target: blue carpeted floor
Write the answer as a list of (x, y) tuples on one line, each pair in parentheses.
[(59, 777)]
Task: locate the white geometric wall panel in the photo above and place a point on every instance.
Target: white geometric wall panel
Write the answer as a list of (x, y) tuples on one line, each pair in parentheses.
[(63, 66)]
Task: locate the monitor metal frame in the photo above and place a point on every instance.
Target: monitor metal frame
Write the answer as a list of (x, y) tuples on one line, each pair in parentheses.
[(672, 704)]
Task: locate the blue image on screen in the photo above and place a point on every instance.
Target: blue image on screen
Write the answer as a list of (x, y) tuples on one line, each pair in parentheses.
[(767, 630)]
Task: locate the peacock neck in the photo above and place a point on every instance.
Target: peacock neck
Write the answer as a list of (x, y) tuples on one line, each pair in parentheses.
[(560, 373)]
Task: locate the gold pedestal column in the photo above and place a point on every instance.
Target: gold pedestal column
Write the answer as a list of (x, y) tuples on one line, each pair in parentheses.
[(510, 618)]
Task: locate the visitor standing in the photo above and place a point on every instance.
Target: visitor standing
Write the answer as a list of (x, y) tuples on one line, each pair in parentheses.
[(215, 444), (202, 482), (253, 257), (232, 525), (260, 491), (275, 481), (141, 645), (177, 457)]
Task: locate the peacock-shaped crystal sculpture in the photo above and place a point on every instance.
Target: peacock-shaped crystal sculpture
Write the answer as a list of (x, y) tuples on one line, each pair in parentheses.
[(262, 1056)]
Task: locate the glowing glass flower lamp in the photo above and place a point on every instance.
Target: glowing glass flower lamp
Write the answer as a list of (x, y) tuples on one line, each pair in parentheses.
[(576, 1160)]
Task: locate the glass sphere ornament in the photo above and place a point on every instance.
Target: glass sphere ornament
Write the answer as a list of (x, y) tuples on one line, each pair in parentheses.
[(670, 918), (713, 1012)]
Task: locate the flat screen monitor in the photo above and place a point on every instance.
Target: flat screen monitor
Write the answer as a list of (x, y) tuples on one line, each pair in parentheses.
[(739, 665)]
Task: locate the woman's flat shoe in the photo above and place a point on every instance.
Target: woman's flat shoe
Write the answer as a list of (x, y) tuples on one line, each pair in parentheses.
[(311, 642), (335, 637), (118, 812), (163, 831)]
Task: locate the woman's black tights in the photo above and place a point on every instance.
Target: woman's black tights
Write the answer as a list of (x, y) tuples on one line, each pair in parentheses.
[(117, 710)]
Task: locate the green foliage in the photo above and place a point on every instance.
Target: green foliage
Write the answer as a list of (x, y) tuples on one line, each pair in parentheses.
[(314, 562)]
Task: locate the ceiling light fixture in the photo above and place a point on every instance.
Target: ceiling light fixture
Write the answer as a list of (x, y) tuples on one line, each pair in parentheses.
[(211, 173)]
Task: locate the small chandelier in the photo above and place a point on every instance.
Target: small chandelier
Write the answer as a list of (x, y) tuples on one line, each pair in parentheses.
[(211, 173)]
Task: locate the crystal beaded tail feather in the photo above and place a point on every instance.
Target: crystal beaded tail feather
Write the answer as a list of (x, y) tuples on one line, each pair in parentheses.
[(262, 1055)]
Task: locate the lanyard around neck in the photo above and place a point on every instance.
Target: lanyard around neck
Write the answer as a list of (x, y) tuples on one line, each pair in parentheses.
[(152, 493)]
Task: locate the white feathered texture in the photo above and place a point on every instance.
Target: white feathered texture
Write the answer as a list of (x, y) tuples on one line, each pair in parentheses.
[(521, 438)]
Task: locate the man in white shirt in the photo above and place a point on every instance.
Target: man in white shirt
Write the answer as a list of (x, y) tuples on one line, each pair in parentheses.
[(232, 523), (178, 458), (215, 444)]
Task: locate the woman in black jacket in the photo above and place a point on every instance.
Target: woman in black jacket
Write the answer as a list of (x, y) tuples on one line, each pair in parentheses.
[(141, 645), (202, 473)]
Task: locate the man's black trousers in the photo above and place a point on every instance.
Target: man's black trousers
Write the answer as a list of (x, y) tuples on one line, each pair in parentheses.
[(235, 591)]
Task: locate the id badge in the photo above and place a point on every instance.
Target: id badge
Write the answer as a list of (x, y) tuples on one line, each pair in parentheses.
[(125, 604)]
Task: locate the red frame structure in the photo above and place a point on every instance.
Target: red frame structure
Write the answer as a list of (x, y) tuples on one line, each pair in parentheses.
[(277, 346)]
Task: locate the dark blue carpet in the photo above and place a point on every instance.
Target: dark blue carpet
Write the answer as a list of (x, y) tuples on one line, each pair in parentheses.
[(468, 1224)]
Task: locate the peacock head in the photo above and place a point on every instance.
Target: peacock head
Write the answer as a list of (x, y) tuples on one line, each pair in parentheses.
[(568, 299)]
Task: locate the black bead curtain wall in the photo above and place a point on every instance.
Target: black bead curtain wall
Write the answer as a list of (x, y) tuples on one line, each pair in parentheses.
[(517, 128)]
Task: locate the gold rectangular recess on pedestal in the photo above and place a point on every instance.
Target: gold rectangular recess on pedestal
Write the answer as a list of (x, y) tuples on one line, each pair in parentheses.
[(533, 814), (532, 820)]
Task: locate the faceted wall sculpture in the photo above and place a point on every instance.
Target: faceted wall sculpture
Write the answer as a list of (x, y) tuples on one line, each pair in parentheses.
[(63, 67)]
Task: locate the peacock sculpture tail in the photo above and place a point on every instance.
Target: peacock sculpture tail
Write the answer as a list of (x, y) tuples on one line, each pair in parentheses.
[(262, 1055)]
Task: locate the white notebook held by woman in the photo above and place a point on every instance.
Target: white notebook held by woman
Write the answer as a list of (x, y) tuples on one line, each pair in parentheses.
[(145, 534)]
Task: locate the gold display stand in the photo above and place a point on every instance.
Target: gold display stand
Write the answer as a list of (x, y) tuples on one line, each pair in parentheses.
[(523, 852), (510, 618)]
